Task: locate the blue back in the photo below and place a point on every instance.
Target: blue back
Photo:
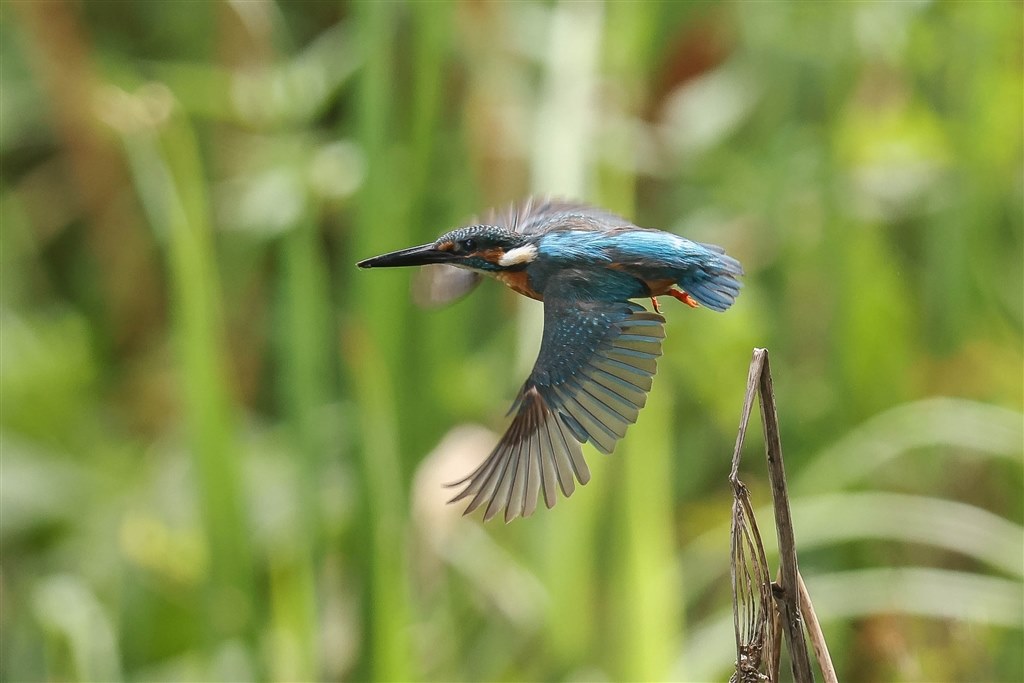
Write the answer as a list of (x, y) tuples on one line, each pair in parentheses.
[(617, 263)]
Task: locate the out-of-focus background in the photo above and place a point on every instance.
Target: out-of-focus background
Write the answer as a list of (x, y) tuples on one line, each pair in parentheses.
[(223, 445)]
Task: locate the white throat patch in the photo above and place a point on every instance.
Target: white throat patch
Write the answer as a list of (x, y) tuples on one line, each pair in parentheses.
[(524, 254)]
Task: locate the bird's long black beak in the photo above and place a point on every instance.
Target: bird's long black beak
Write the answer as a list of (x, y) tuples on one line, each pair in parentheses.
[(413, 256)]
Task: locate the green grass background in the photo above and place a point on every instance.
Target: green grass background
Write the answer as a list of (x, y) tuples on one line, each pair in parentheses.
[(223, 446)]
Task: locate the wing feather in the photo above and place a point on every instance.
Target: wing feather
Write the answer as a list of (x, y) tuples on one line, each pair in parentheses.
[(533, 484), (598, 433), (488, 483), (596, 364), (535, 214), (599, 404), (627, 391), (547, 465), (562, 455), (622, 407)]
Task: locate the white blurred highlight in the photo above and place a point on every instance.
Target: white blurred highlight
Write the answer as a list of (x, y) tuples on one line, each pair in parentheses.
[(463, 543)]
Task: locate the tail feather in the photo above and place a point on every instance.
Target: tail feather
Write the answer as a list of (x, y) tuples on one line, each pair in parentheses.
[(715, 285), (712, 247)]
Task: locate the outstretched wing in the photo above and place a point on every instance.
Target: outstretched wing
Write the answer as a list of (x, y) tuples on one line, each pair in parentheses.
[(536, 214), (596, 363), (438, 285)]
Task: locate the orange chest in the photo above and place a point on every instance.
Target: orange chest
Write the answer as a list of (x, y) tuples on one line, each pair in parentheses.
[(517, 281)]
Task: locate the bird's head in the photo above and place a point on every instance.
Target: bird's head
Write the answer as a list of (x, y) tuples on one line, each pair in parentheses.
[(483, 248)]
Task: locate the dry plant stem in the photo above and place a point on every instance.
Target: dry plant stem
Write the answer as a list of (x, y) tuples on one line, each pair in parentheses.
[(741, 496), (828, 671), (776, 651), (748, 403), (791, 598), (751, 588), (788, 598), (773, 636)]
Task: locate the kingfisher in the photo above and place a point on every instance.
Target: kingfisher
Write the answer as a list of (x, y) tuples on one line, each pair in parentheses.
[(599, 348)]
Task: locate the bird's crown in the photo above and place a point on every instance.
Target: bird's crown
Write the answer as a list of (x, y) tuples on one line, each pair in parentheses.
[(487, 247), (474, 238)]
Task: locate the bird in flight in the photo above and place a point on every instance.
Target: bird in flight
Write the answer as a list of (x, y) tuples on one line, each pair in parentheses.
[(599, 348)]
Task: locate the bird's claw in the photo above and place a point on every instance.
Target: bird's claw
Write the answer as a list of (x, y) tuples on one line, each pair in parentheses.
[(684, 297), (657, 307)]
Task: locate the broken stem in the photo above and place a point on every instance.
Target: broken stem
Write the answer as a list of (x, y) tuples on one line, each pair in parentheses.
[(828, 670)]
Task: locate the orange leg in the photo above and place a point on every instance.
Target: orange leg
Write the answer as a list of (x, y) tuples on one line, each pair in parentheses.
[(657, 308), (683, 296)]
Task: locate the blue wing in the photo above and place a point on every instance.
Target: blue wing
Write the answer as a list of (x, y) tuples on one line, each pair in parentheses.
[(596, 363), (537, 214)]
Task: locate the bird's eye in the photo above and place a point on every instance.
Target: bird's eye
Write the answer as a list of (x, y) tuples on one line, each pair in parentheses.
[(467, 245)]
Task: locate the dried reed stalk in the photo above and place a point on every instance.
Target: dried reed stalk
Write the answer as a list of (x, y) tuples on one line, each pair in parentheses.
[(762, 608)]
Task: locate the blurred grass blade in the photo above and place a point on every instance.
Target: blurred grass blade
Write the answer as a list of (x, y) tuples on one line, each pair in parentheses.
[(76, 622), (920, 591), (166, 166), (304, 344), (562, 136), (985, 429), (838, 518), (643, 586), (388, 596), (955, 527), (375, 355)]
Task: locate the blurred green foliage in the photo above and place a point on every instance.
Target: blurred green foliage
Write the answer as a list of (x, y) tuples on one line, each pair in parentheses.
[(223, 447)]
